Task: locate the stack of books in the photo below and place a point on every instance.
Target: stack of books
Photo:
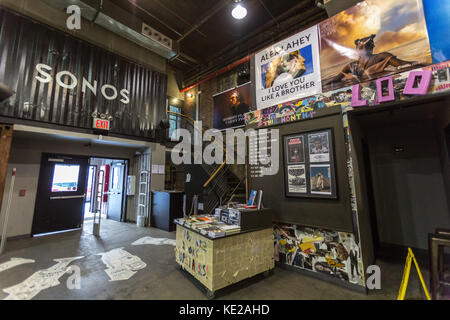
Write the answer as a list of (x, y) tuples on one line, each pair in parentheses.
[(208, 225), (231, 229), (215, 232)]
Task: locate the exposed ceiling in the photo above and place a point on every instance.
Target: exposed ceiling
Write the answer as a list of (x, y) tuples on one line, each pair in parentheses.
[(210, 38)]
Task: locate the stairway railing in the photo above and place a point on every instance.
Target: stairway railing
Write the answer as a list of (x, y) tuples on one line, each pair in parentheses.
[(216, 182)]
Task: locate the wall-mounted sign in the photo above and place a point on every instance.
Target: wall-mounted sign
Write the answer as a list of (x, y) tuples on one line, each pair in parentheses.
[(288, 70), (101, 124)]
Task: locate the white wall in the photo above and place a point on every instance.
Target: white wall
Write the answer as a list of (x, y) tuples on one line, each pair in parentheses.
[(26, 158)]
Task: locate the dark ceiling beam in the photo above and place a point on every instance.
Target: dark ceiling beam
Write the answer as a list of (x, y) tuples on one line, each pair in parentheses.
[(207, 16), (268, 11), (178, 16), (133, 3)]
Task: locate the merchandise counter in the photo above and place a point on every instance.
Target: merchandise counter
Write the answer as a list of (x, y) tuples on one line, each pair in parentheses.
[(220, 262)]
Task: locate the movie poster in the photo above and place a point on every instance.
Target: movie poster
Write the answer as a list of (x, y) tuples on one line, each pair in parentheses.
[(437, 15), (288, 70), (296, 179), (319, 147), (295, 150), (371, 40), (230, 107), (321, 179)]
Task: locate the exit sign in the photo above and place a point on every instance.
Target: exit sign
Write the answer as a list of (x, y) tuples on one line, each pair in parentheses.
[(101, 124)]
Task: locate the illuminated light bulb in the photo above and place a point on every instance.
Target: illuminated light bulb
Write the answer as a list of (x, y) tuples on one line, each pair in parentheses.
[(239, 12)]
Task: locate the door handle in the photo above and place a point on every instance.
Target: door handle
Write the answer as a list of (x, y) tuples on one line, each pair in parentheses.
[(68, 197)]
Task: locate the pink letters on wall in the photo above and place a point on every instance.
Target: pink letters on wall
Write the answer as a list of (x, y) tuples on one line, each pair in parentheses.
[(422, 89), (409, 89), (356, 97), (390, 96)]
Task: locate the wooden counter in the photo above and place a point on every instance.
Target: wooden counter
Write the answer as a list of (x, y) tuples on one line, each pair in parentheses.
[(218, 263)]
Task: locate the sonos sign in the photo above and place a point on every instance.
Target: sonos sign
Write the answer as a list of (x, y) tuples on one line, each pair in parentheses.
[(108, 91)]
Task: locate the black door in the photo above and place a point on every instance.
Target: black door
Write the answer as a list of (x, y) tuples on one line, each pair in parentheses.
[(115, 193), (61, 193)]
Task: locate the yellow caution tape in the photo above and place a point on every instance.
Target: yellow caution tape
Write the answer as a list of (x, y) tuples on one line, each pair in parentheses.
[(409, 258)]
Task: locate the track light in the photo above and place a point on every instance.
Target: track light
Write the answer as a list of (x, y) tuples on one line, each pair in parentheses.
[(239, 12)]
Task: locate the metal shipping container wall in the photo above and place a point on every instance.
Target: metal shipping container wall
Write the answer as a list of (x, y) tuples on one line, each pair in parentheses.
[(24, 44)]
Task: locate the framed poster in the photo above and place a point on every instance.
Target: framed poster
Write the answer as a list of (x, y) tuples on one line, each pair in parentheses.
[(309, 165), (231, 106)]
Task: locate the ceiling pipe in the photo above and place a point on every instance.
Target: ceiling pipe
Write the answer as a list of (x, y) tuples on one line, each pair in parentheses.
[(205, 18), (217, 73)]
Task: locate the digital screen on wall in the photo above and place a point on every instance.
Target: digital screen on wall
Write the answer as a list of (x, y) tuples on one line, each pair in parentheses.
[(65, 178), (309, 165)]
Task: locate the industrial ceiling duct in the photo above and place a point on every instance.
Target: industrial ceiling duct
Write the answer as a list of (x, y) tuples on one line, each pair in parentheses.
[(113, 18)]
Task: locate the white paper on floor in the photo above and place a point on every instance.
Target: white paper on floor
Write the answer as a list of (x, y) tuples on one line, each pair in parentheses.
[(155, 241), (121, 265), (40, 280), (14, 262)]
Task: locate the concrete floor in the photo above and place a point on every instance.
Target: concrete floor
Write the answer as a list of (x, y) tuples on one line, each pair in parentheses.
[(161, 280)]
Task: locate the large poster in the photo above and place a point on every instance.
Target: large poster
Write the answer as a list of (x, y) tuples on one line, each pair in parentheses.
[(288, 70), (230, 107), (371, 40), (437, 14)]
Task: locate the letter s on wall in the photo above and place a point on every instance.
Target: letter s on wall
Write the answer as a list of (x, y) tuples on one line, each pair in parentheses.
[(46, 77), (124, 93)]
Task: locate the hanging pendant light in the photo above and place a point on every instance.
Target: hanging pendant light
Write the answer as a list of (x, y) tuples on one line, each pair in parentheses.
[(239, 12)]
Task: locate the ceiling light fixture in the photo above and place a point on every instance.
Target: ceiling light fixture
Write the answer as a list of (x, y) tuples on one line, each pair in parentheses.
[(239, 12)]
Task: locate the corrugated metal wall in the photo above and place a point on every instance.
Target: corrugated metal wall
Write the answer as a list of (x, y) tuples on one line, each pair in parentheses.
[(24, 44)]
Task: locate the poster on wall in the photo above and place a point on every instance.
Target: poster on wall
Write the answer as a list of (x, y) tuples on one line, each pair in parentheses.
[(320, 179), (288, 70), (371, 40), (230, 107), (437, 15), (309, 168), (296, 151), (297, 179), (319, 147)]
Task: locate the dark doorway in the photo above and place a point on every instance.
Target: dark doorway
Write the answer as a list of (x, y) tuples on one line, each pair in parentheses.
[(405, 180), (61, 193)]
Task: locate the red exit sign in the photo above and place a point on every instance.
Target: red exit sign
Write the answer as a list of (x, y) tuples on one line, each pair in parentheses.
[(101, 124)]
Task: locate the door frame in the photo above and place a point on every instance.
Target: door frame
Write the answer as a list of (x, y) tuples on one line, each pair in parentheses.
[(123, 216)]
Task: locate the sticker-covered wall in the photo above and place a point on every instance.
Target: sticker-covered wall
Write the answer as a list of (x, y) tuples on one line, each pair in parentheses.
[(331, 253)]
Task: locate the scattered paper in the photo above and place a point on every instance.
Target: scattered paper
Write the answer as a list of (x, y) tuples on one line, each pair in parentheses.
[(14, 262), (155, 241), (121, 265), (40, 280)]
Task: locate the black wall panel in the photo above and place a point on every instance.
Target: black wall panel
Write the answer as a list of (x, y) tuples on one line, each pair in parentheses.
[(24, 44), (334, 214)]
